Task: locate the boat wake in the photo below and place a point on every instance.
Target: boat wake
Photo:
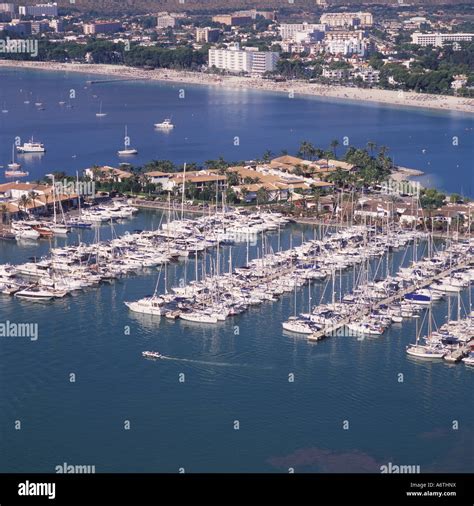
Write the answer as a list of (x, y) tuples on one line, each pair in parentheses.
[(203, 362)]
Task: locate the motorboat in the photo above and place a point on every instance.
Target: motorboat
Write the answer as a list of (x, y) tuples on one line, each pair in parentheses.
[(148, 305), (425, 351), (31, 147), (165, 125), (151, 354)]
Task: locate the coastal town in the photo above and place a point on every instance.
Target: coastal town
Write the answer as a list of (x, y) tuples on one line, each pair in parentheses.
[(415, 56), (326, 190)]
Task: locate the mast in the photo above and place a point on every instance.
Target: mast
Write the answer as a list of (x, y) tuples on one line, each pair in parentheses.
[(183, 191), (54, 201), (309, 296), (78, 194), (196, 263)]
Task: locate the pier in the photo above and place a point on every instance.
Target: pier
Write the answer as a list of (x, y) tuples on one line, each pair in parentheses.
[(321, 334)]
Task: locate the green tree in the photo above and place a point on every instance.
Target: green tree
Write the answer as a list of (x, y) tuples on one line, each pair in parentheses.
[(334, 144)]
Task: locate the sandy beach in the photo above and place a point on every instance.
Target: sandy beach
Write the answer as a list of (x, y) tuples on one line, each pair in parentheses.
[(405, 174), (290, 88)]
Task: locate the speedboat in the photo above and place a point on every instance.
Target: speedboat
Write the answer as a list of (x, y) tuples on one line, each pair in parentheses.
[(151, 354)]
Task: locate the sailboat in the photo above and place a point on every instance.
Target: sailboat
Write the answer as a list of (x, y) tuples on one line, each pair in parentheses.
[(55, 227), (100, 114), (427, 351), (4, 109), (14, 167), (78, 222), (127, 150)]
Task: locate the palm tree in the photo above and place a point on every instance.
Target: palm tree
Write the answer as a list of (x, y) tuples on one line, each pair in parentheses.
[(319, 152), (383, 151), (334, 144), (306, 149), (32, 197), (96, 172), (3, 213), (371, 147), (24, 202), (267, 156)]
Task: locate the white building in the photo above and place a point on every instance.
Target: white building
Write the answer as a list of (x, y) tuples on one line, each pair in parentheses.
[(250, 61), (438, 39), (289, 30), (49, 9), (165, 21), (207, 34), (459, 82), (348, 47), (340, 19), (336, 74), (368, 75), (7, 7)]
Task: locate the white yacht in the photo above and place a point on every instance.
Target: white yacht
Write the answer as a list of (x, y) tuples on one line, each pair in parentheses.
[(421, 351), (31, 147), (165, 124), (293, 324), (148, 305), (24, 232), (199, 317), (37, 293), (59, 229)]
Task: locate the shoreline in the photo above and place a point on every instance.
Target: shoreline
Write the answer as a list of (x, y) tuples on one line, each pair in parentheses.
[(405, 174), (294, 88)]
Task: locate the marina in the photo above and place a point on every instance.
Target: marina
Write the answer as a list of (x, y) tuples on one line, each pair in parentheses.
[(295, 326)]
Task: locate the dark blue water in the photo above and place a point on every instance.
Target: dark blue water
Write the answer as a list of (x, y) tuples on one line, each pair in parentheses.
[(208, 120), (236, 370)]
